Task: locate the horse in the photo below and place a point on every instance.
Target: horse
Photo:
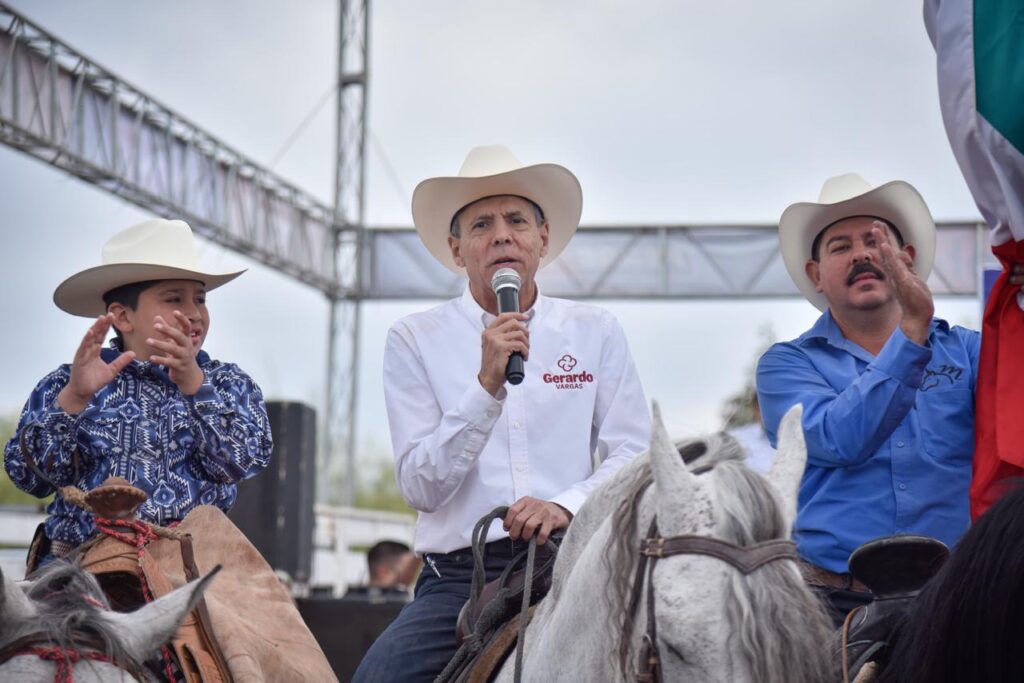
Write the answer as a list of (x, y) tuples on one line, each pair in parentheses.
[(59, 627), (647, 586), (966, 623)]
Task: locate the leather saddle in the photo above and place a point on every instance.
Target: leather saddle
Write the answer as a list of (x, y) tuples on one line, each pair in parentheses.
[(894, 568), (502, 598), (245, 627), (488, 626)]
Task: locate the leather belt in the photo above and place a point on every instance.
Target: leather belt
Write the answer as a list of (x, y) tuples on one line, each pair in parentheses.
[(816, 576)]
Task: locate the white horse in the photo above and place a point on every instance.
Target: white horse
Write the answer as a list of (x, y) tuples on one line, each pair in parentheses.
[(713, 622), (59, 627)]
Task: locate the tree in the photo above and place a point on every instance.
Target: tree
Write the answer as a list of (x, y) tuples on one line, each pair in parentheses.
[(377, 489), (741, 408), (9, 493)]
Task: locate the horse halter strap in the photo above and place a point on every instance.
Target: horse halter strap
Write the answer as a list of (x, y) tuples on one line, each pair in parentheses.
[(654, 547)]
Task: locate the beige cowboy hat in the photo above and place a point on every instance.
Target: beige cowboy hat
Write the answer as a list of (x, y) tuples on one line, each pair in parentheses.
[(155, 250), (490, 171), (846, 196)]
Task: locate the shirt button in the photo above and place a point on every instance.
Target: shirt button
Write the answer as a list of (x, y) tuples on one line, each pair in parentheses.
[(515, 425), (899, 444), (520, 468), (903, 487)]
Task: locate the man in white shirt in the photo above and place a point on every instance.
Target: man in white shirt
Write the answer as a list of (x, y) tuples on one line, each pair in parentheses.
[(466, 442)]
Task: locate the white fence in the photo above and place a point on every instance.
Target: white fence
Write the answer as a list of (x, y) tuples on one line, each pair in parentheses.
[(342, 538)]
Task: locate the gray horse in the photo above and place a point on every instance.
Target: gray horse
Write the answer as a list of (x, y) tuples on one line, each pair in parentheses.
[(59, 626), (715, 624)]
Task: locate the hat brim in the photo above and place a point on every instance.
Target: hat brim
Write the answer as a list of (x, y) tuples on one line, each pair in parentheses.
[(552, 187), (82, 293), (897, 202)]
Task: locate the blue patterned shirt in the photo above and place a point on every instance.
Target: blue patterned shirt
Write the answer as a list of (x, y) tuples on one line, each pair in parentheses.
[(890, 438), (183, 451)]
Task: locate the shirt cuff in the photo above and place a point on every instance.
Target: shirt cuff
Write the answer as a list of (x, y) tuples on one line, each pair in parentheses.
[(207, 401), (57, 420), (572, 500), (903, 359), (479, 408)]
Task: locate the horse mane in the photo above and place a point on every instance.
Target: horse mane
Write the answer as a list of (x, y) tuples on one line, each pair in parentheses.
[(762, 605), (779, 625), (966, 623), (70, 602)]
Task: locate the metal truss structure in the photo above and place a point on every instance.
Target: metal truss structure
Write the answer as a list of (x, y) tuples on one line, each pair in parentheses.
[(349, 213), (654, 262), (64, 109)]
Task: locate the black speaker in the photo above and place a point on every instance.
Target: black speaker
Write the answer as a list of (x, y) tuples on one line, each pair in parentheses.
[(345, 630), (274, 509)]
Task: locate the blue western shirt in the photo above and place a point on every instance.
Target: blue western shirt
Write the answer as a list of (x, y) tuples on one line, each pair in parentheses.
[(890, 437), (183, 451)]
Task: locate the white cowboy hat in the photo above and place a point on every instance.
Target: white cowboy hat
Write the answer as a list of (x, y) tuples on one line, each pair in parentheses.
[(490, 171), (155, 250), (846, 196)]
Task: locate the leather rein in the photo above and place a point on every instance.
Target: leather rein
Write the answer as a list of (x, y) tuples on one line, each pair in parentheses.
[(654, 547)]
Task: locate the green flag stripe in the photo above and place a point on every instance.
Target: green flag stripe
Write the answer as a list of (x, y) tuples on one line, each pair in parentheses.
[(999, 66)]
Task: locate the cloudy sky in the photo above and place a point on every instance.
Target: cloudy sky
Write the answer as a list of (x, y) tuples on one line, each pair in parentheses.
[(669, 111)]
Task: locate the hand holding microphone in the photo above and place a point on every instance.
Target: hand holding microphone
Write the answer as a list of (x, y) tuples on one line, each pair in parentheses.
[(506, 342), (505, 284)]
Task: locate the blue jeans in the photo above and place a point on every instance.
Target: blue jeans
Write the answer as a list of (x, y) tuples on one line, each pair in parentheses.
[(420, 641)]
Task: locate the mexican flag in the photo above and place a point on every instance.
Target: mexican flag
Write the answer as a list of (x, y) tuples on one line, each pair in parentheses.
[(980, 49)]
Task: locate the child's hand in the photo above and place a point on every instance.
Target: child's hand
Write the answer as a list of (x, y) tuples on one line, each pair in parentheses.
[(177, 353), (89, 372)]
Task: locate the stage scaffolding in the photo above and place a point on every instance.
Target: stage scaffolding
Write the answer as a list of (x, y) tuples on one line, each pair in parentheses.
[(62, 108)]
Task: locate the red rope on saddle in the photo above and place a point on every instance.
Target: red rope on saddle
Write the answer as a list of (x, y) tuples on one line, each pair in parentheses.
[(136, 533), (65, 659)]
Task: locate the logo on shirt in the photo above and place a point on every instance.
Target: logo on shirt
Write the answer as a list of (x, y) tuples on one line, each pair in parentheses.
[(571, 380), (943, 376)]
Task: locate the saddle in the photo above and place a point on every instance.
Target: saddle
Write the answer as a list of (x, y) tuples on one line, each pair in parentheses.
[(490, 622), (894, 568), (245, 628)]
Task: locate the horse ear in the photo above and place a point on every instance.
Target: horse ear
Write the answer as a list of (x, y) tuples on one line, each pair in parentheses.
[(149, 627), (670, 472), (15, 606), (788, 469)]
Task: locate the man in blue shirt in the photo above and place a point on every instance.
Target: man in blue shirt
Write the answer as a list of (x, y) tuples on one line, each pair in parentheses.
[(887, 389)]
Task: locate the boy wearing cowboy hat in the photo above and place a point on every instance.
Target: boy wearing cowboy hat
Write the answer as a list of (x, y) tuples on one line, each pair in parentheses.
[(152, 408), (464, 441), (887, 389)]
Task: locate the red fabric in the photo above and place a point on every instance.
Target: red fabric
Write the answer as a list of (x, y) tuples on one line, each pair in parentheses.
[(999, 399), (65, 659)]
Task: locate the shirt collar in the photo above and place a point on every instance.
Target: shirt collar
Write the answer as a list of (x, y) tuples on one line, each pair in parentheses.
[(827, 328), (476, 313)]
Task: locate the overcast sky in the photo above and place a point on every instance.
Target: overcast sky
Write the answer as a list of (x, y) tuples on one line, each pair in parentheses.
[(668, 111)]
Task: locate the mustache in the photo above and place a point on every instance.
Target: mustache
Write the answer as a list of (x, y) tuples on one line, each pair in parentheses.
[(861, 268)]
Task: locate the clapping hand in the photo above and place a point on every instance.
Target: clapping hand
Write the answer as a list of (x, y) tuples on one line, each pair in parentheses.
[(910, 290), (177, 353), (89, 372)]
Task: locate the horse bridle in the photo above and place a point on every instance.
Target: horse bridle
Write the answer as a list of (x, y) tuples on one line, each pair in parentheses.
[(744, 558), (86, 647)]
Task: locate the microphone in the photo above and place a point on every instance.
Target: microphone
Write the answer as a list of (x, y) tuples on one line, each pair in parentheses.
[(505, 284)]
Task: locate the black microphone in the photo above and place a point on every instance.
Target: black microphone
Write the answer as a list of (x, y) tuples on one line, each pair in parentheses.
[(505, 284)]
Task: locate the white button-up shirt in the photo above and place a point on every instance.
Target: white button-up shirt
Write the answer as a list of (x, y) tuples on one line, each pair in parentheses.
[(460, 452)]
